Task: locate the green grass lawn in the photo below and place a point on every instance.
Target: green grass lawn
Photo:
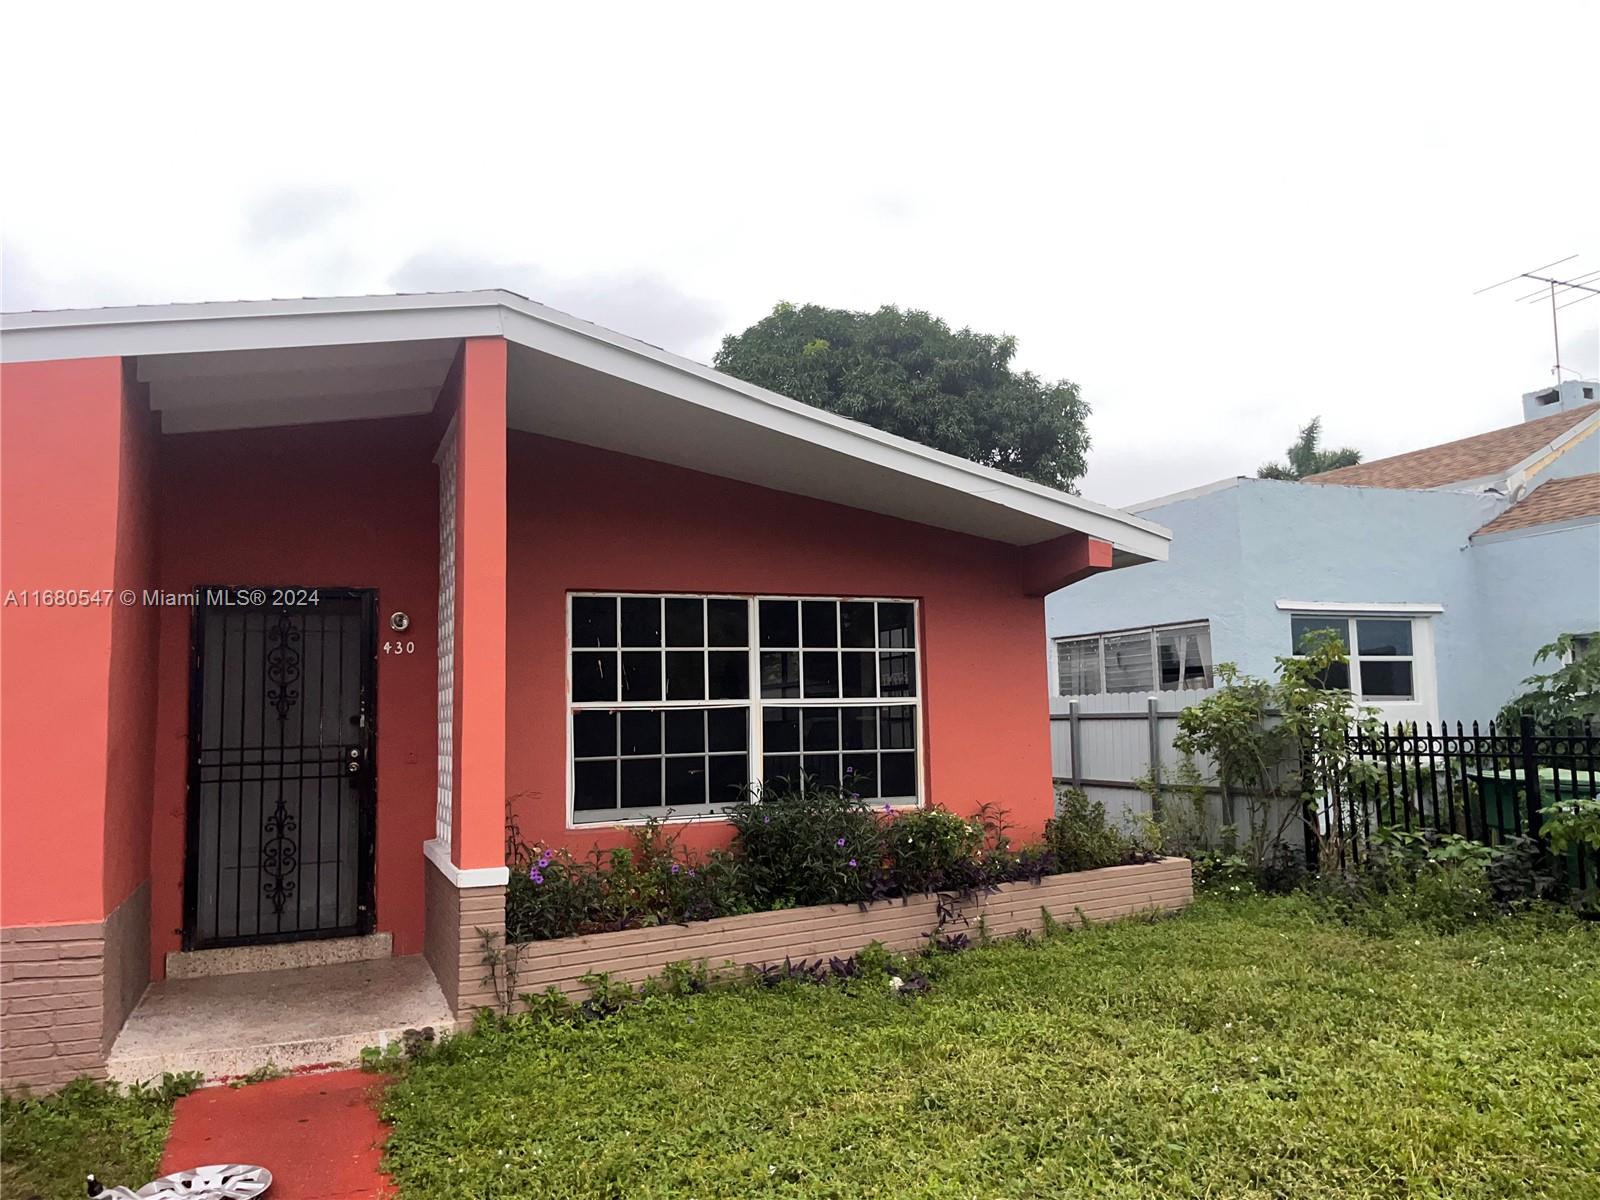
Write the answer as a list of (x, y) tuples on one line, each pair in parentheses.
[(1246, 1049), (48, 1145)]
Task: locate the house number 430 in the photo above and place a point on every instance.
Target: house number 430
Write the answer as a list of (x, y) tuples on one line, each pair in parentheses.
[(399, 647)]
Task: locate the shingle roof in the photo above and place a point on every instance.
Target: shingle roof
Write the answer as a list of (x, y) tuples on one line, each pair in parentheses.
[(1552, 501), (1475, 457)]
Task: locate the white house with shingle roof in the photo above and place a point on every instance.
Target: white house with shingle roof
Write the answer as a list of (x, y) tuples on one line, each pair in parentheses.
[(1444, 569)]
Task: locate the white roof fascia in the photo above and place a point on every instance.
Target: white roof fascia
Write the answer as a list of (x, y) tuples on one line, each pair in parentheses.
[(246, 325), (1194, 493), (276, 324)]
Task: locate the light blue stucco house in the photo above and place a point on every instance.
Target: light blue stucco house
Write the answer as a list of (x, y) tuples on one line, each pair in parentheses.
[(1443, 569)]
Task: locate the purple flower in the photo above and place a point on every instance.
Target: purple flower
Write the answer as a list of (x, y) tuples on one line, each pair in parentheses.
[(889, 808), (691, 872), (855, 795), (849, 770), (535, 876), (674, 868), (852, 862), (840, 843)]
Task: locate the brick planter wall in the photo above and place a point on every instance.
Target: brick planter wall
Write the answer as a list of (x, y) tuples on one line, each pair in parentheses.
[(451, 941), (65, 991), (841, 929)]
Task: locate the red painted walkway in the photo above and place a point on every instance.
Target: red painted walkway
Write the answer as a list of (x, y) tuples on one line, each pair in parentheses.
[(319, 1135)]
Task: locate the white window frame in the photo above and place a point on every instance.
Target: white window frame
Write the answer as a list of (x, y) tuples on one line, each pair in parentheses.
[(1354, 655), (1154, 632), (752, 705)]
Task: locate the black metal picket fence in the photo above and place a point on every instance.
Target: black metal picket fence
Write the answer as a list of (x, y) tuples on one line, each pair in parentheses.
[(1488, 785)]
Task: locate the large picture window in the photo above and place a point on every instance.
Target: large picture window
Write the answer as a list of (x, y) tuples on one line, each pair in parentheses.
[(680, 702)]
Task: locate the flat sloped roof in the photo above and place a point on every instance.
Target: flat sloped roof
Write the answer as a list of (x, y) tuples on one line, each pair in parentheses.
[(937, 488)]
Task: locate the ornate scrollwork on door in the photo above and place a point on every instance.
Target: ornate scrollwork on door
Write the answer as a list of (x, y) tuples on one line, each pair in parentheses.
[(283, 665), (280, 856), (280, 853)]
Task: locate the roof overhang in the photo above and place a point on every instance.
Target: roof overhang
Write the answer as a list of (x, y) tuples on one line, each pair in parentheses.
[(571, 379)]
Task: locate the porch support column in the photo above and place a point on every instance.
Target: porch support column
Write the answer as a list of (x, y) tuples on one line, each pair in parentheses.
[(467, 876), (479, 819)]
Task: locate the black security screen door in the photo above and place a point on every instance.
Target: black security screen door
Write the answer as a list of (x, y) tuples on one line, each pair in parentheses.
[(281, 780)]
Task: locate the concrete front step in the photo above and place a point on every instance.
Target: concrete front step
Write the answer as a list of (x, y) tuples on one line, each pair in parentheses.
[(225, 1026), (278, 956)]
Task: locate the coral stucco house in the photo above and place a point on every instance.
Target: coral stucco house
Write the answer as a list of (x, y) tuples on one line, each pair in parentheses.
[(299, 593)]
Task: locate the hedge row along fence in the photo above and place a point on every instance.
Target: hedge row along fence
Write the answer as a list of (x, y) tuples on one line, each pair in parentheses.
[(754, 939)]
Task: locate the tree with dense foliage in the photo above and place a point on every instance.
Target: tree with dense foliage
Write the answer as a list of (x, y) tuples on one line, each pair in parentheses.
[(1307, 457), (908, 373)]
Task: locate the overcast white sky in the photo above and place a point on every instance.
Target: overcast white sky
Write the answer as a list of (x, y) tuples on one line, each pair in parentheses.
[(1218, 219)]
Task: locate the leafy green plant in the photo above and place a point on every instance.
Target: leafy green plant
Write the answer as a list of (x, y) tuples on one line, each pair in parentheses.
[(1574, 822), (1559, 699), (1178, 802), (807, 844), (927, 850), (1419, 848), (1081, 838), (551, 893), (1281, 747), (679, 979)]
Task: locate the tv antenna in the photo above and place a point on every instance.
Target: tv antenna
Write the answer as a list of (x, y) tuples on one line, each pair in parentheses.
[(1558, 292)]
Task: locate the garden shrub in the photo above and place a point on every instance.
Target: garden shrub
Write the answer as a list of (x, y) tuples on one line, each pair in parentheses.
[(1440, 881), (930, 849), (652, 882), (1080, 836), (813, 844), (793, 847)]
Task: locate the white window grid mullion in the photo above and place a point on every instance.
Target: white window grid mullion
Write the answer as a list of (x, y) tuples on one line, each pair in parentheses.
[(754, 704)]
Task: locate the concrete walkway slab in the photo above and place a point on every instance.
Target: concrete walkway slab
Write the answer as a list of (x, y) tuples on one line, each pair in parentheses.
[(226, 1026), (319, 1135)]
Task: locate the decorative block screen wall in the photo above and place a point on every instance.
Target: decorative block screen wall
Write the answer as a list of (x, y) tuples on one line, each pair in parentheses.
[(444, 801)]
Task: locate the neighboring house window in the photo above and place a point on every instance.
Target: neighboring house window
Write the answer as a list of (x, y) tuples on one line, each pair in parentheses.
[(678, 703), (1078, 665), (1167, 658), (1381, 666), (1579, 647)]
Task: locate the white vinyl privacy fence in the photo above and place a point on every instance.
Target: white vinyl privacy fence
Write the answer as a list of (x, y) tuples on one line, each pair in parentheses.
[(1106, 745), (1117, 748)]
